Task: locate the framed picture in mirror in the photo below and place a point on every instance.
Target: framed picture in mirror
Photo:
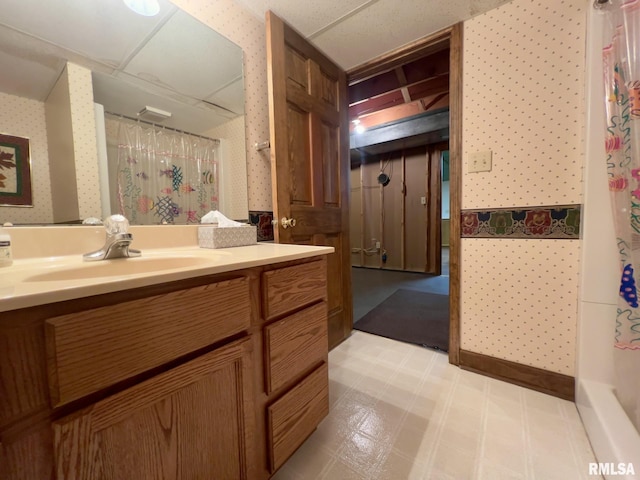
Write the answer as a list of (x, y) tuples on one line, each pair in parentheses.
[(15, 171)]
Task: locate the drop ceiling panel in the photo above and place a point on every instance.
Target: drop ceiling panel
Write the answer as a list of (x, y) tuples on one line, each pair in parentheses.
[(307, 17), (116, 96), (29, 68), (83, 26), (389, 24), (167, 57), (230, 97)]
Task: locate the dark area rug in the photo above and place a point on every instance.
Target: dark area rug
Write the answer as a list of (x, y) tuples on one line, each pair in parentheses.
[(410, 316)]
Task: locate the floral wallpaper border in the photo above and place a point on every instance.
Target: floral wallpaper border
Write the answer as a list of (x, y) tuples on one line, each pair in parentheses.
[(554, 222)]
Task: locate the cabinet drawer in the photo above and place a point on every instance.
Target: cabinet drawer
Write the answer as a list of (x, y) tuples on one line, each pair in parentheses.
[(296, 415), (286, 289), (294, 344), (93, 349)]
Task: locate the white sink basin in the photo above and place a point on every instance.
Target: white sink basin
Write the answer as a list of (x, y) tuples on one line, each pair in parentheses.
[(118, 267)]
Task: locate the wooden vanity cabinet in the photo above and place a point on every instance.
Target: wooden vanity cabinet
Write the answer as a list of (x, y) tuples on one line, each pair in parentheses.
[(295, 396), (186, 423), (213, 377)]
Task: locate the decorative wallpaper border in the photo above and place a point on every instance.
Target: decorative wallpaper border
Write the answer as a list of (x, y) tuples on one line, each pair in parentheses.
[(262, 220), (555, 222)]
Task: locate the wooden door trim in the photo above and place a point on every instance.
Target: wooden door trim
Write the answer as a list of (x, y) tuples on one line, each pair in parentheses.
[(453, 36)]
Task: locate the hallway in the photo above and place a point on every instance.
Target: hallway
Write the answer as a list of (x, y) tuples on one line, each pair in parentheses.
[(372, 286)]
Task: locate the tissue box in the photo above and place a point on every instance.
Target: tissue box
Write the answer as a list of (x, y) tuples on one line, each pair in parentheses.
[(223, 237)]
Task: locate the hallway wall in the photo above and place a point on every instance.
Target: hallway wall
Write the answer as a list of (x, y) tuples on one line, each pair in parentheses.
[(524, 100)]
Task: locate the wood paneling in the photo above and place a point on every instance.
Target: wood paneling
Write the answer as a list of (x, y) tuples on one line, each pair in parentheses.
[(290, 288), (416, 212), (434, 208), (295, 344), (391, 199), (356, 216), (552, 383), (296, 415), (90, 350)]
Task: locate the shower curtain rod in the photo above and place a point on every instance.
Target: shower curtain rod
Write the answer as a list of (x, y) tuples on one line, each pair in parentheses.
[(161, 126)]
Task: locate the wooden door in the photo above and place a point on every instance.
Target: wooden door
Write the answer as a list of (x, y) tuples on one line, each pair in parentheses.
[(193, 421), (308, 113)]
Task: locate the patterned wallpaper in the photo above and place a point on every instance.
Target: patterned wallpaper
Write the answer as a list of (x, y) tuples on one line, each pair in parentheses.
[(523, 100), (84, 141), (243, 28), (234, 175), (519, 300), (25, 118)]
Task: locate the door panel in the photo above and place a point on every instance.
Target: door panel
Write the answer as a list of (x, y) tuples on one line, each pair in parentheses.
[(310, 158)]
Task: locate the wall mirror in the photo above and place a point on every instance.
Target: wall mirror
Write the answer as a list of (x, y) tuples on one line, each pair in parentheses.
[(170, 62)]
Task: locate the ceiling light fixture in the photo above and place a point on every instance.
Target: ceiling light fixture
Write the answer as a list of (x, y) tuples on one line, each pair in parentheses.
[(359, 128), (153, 114), (148, 8)]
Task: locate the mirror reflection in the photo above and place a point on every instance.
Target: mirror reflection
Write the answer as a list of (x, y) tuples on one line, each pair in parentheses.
[(124, 113)]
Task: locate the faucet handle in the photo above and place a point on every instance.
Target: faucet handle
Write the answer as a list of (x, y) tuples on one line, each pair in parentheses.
[(116, 224)]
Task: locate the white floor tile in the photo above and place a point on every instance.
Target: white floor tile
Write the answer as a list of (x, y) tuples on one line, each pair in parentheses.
[(400, 412)]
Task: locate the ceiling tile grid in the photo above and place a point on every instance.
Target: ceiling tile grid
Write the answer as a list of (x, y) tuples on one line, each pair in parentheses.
[(307, 17)]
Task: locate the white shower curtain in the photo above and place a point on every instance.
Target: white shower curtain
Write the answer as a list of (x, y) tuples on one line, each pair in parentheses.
[(165, 177), (621, 65)]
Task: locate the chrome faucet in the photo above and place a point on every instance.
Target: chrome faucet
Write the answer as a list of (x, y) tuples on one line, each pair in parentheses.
[(117, 242)]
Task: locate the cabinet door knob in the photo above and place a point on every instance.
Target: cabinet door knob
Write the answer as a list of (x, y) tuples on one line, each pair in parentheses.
[(288, 222)]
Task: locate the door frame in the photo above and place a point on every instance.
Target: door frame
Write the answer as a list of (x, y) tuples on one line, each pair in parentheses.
[(414, 50)]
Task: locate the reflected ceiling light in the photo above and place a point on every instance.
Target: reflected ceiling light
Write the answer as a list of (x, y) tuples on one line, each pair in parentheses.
[(148, 8), (153, 114), (359, 128)]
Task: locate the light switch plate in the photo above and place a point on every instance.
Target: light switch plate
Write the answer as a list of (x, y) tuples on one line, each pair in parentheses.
[(479, 161)]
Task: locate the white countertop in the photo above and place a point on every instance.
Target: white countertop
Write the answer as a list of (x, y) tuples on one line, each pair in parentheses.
[(37, 281)]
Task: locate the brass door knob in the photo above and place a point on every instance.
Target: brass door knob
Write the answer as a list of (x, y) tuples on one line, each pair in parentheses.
[(288, 222)]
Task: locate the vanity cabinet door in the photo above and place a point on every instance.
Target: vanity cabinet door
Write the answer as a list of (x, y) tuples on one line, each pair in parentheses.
[(193, 421)]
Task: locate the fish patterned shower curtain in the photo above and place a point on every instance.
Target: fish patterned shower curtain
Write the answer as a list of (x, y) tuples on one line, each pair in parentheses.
[(164, 176), (621, 69)]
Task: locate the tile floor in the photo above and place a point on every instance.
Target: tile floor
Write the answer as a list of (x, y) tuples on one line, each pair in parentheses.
[(400, 411)]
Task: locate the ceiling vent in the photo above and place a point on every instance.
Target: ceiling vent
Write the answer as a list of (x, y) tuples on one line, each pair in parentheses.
[(152, 114)]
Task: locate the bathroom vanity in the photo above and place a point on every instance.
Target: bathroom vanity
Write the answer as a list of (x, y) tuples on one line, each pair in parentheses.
[(213, 367)]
